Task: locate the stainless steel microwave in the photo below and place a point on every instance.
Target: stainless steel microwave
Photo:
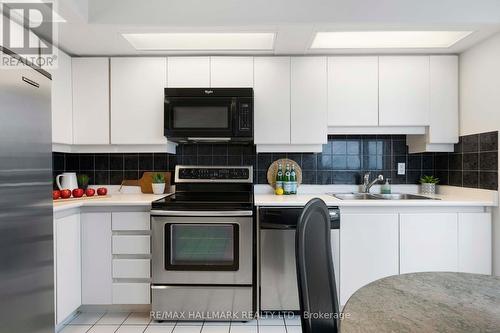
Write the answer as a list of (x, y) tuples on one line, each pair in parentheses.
[(209, 114)]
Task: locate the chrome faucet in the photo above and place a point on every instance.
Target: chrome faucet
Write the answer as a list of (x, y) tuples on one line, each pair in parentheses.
[(367, 185)]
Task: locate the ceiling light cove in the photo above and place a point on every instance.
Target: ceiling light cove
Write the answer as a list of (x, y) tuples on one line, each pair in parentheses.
[(201, 41), (387, 39)]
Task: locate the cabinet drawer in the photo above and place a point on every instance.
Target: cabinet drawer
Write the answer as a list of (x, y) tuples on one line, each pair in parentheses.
[(131, 269), (131, 293), (130, 221), (131, 244)]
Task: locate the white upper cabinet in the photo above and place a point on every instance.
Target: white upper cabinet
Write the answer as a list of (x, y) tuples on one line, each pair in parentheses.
[(429, 242), (442, 132), (443, 99), (353, 91), (137, 97), (188, 72), (228, 72), (62, 101), (403, 90), (90, 100), (272, 100), (308, 100)]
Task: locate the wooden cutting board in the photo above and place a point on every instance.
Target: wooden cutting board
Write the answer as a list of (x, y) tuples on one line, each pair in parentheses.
[(146, 181), (273, 170)]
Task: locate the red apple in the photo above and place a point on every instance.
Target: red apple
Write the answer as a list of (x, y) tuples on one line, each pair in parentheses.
[(78, 192), (102, 191), (56, 195), (65, 194), (90, 192)]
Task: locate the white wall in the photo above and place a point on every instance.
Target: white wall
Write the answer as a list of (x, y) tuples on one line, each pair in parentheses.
[(480, 105)]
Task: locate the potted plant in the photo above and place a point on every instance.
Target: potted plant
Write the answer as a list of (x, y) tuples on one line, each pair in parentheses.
[(83, 181), (429, 184), (158, 183)]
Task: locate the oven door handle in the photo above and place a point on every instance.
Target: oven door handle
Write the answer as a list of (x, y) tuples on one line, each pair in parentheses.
[(201, 213)]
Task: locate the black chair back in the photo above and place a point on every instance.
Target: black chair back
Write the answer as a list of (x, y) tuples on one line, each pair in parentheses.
[(315, 272)]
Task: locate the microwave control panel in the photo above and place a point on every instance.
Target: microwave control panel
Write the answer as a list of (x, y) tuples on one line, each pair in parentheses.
[(245, 117)]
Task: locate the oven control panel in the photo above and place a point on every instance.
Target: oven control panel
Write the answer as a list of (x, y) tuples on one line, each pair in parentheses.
[(233, 174)]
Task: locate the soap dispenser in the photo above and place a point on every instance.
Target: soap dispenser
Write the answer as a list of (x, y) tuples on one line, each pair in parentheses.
[(386, 188)]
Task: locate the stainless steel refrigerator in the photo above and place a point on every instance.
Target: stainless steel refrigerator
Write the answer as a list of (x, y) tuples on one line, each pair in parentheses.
[(26, 231)]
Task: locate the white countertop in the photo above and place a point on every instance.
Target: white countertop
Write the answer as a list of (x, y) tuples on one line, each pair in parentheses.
[(115, 199), (449, 196)]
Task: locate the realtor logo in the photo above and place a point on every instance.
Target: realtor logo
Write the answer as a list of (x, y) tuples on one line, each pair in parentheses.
[(35, 16)]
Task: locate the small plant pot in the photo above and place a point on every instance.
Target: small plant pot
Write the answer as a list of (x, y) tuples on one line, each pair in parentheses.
[(428, 188), (158, 188)]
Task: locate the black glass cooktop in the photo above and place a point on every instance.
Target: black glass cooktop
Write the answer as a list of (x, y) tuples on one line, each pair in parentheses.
[(206, 201)]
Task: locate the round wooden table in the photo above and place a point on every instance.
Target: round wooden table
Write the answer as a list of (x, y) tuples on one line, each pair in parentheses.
[(424, 303)]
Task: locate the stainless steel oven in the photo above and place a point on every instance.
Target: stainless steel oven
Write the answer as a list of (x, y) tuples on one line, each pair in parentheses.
[(209, 114), (203, 245)]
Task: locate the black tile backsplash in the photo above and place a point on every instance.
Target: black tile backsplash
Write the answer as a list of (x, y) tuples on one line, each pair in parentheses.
[(474, 163), (343, 160)]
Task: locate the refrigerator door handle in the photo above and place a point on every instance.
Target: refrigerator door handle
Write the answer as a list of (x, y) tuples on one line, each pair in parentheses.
[(31, 82)]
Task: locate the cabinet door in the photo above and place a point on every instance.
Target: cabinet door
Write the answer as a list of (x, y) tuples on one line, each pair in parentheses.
[(428, 243), (227, 72), (474, 243), (404, 91), (68, 266), (96, 258), (62, 101), (272, 100), (368, 250), (308, 100), (188, 72), (353, 91), (137, 100), (443, 99), (90, 100)]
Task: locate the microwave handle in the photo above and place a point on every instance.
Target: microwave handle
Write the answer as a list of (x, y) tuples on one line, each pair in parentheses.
[(234, 113)]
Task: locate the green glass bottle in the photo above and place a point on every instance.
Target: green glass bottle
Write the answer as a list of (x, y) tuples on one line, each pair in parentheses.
[(293, 180), (287, 181), (279, 177)]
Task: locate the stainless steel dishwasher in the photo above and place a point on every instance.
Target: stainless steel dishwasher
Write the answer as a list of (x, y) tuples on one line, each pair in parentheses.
[(278, 277)]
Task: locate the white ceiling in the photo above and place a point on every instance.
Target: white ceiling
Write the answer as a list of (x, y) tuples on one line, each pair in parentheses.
[(94, 27)]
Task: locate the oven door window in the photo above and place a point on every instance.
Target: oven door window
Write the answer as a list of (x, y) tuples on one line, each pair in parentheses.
[(202, 247)]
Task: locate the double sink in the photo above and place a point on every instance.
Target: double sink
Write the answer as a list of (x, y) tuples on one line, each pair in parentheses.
[(373, 196)]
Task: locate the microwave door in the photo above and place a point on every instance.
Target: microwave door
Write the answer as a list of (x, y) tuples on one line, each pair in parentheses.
[(200, 117)]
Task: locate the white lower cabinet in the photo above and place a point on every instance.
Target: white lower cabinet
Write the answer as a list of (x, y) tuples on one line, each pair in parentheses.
[(429, 242), (129, 221), (474, 243), (96, 258), (131, 250), (131, 244), (131, 293), (369, 250), (67, 262), (379, 243), (131, 268)]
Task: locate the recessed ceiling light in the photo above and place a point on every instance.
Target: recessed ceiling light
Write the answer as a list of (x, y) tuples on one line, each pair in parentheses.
[(202, 41), (386, 39)]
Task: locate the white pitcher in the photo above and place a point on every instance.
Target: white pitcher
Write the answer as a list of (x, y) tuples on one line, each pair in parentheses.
[(68, 181)]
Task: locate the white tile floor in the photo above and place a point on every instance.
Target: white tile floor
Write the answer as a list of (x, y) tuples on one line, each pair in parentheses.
[(135, 322)]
